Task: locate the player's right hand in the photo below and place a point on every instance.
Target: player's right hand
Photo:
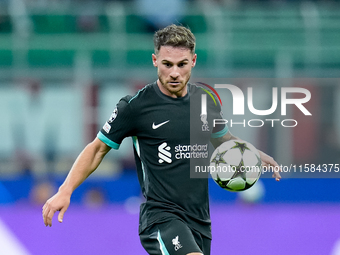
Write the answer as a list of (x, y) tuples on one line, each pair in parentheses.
[(59, 202)]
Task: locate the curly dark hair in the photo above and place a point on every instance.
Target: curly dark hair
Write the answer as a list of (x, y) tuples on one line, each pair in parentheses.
[(176, 36)]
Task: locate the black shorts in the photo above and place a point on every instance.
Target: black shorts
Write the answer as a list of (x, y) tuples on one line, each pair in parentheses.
[(173, 237)]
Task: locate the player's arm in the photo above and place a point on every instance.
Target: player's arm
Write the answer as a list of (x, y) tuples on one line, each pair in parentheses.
[(267, 160), (87, 161)]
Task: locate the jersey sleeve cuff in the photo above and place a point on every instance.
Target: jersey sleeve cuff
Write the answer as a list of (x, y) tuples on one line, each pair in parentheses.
[(107, 141), (220, 133)]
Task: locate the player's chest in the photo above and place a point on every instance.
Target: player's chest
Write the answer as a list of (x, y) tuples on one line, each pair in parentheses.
[(174, 122)]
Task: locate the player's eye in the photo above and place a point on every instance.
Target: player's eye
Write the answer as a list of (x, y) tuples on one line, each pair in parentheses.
[(181, 64), (167, 64)]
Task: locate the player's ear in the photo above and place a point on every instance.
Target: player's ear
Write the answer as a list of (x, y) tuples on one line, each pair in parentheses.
[(154, 60), (194, 58)]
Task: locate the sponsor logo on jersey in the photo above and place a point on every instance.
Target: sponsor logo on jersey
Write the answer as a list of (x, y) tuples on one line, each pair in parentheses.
[(176, 243), (164, 154), (191, 151), (182, 152), (154, 126)]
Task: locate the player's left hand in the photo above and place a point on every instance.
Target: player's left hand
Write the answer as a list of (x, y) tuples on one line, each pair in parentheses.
[(270, 163)]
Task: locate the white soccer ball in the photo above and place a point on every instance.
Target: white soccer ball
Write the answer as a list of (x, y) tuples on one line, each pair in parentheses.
[(235, 165)]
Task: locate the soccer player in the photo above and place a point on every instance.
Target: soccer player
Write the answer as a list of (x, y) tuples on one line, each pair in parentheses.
[(170, 133)]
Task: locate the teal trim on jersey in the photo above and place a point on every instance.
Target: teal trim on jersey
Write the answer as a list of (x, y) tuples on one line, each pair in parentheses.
[(134, 96), (136, 144), (162, 245), (137, 93), (143, 168), (106, 140), (220, 133)]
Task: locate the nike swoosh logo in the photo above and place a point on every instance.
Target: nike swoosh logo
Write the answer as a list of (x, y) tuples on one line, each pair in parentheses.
[(158, 125)]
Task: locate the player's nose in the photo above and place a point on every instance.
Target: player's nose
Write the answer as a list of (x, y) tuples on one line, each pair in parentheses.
[(174, 73)]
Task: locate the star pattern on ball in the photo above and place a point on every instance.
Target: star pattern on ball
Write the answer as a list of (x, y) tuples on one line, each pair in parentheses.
[(241, 146), (219, 158), (239, 170)]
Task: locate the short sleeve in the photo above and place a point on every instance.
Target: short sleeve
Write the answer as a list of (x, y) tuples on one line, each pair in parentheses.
[(119, 125)]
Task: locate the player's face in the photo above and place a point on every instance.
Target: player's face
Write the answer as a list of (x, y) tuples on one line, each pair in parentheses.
[(174, 66)]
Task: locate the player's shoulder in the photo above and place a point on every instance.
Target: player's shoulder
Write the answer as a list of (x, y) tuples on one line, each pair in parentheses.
[(136, 100), (199, 88), (140, 96)]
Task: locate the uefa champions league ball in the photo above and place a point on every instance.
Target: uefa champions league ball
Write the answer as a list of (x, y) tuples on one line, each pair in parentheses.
[(235, 165)]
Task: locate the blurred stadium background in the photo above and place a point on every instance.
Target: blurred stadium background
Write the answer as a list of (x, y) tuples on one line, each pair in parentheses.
[(63, 66)]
